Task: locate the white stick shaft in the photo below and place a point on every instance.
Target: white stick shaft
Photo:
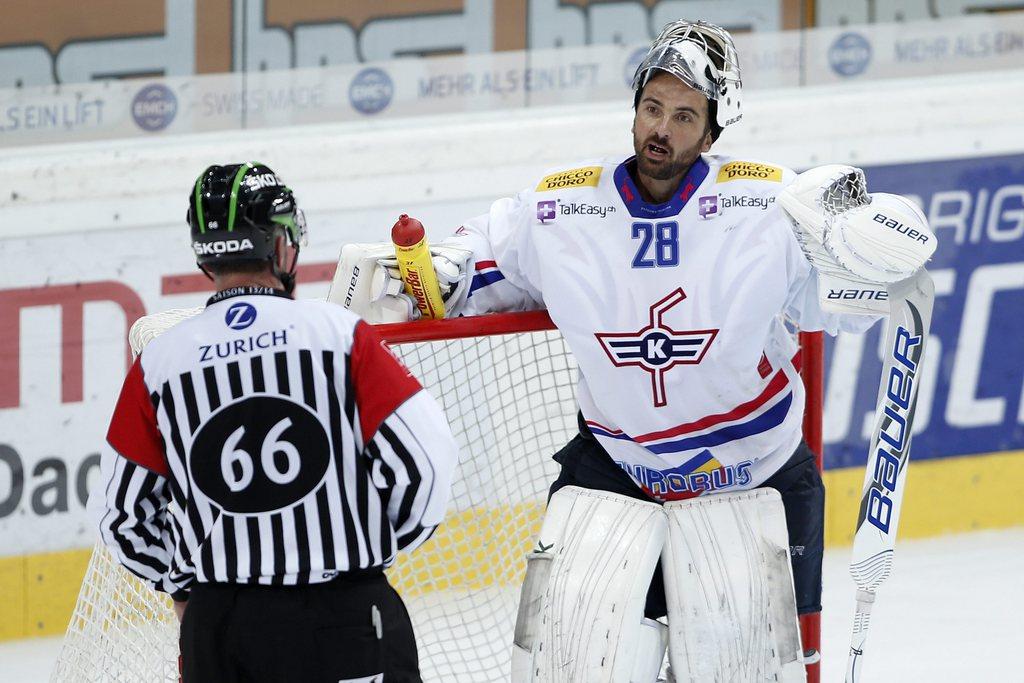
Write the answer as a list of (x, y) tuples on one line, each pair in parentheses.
[(861, 620), (884, 480)]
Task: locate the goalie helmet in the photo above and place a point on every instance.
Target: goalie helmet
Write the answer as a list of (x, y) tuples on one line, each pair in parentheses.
[(703, 56), (237, 211)]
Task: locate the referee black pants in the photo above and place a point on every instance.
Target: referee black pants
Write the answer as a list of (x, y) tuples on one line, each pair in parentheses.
[(587, 465), (348, 629)]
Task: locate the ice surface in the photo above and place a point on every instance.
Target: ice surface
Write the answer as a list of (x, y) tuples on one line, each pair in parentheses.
[(952, 611)]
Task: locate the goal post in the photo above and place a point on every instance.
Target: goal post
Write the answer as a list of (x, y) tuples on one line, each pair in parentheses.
[(506, 383), (812, 371)]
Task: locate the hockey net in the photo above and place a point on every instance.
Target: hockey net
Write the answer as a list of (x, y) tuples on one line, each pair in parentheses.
[(506, 383)]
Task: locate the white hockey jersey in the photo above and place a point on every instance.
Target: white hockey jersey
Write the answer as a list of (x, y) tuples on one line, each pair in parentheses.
[(674, 312)]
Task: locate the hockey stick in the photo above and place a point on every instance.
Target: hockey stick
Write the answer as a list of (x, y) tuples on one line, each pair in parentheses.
[(910, 305)]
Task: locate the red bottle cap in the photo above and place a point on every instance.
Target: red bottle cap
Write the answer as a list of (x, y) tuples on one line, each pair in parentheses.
[(407, 231)]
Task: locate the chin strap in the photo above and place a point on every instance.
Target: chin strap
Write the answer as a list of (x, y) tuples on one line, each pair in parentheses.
[(288, 281), (287, 278)]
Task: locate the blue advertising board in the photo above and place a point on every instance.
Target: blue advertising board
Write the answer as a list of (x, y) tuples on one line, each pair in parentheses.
[(971, 399)]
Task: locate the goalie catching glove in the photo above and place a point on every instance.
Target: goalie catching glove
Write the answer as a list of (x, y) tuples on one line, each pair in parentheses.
[(858, 241), (369, 283)]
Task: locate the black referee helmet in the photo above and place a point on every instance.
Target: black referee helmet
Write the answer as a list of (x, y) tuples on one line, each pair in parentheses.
[(237, 212)]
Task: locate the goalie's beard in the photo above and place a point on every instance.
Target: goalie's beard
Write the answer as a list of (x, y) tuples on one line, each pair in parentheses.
[(673, 168)]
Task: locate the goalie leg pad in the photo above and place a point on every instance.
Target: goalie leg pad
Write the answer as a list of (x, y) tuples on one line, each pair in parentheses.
[(650, 651), (581, 611), (729, 588)]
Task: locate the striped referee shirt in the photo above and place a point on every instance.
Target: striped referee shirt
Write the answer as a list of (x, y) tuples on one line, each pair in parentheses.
[(269, 441)]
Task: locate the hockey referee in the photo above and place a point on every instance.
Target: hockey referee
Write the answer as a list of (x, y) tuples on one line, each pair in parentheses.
[(268, 458)]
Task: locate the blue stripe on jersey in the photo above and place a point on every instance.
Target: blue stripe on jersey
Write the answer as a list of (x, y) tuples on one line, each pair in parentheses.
[(770, 419), (481, 280)]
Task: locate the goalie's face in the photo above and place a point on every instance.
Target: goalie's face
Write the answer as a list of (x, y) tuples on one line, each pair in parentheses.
[(670, 129)]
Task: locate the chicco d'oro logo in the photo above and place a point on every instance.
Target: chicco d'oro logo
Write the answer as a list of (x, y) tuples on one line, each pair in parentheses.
[(154, 107), (240, 316), (588, 176), (748, 170), (371, 91)]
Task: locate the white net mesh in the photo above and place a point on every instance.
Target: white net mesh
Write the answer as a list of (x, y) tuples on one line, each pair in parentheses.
[(846, 192), (149, 327), (121, 629), (510, 403)]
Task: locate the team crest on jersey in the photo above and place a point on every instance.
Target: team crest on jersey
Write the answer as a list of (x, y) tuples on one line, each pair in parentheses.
[(657, 348)]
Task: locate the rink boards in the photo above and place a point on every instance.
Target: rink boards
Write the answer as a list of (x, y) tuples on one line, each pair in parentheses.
[(71, 293)]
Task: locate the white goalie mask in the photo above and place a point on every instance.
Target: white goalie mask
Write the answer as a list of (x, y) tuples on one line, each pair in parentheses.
[(703, 56)]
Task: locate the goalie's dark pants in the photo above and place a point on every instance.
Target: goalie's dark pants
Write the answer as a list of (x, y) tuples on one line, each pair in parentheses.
[(586, 464), (326, 632)]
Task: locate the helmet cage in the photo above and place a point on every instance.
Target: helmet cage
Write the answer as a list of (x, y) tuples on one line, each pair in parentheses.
[(703, 56), (272, 207)]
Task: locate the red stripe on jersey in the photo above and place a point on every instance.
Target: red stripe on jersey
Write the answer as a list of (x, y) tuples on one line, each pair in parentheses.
[(482, 265), (380, 381), (775, 387), (133, 431)]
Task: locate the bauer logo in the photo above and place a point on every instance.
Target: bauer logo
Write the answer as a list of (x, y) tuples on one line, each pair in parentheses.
[(901, 228), (749, 170), (545, 211), (371, 91), (850, 54), (240, 316), (588, 176), (154, 107), (894, 430), (857, 294)]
